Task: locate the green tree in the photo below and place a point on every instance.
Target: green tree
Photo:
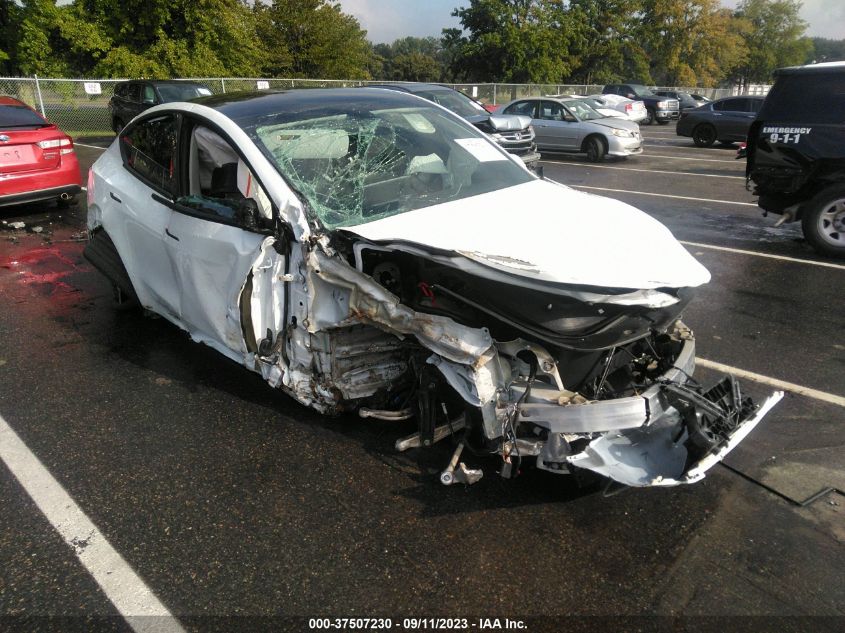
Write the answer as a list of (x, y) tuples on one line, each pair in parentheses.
[(512, 40), (411, 59), (690, 42), (606, 46), (826, 50), (132, 38), (312, 38), (176, 38), (774, 38)]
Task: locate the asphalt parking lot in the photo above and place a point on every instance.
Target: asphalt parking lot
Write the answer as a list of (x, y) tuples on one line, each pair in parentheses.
[(227, 499)]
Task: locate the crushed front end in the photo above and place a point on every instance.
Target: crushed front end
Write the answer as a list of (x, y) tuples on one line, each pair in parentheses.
[(559, 377)]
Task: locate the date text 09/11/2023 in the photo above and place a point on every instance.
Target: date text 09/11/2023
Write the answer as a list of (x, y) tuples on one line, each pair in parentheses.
[(412, 624)]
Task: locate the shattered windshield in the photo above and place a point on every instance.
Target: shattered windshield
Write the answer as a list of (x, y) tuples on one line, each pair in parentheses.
[(356, 166)]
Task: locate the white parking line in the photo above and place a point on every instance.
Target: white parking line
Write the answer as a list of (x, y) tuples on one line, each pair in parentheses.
[(650, 171), (122, 586), (773, 382), (102, 149), (706, 160), (661, 195), (767, 255)]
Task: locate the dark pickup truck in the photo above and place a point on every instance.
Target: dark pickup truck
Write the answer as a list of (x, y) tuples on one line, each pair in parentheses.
[(796, 153), (660, 109)]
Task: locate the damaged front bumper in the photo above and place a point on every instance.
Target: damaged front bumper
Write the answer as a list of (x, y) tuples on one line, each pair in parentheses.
[(670, 434)]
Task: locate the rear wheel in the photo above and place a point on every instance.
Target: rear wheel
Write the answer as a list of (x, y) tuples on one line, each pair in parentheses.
[(649, 119), (595, 149), (704, 135), (823, 221)]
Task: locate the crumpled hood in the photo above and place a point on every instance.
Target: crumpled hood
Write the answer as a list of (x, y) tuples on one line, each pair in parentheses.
[(544, 230)]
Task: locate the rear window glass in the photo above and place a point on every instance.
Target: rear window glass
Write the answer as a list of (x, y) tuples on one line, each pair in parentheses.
[(810, 98), (175, 92), (730, 105), (149, 149), (18, 116)]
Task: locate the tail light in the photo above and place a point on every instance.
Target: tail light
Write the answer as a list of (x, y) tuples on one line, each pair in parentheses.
[(64, 145), (629, 107), (90, 191)]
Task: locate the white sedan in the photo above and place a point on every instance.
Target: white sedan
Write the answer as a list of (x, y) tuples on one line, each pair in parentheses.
[(632, 109), (367, 250)]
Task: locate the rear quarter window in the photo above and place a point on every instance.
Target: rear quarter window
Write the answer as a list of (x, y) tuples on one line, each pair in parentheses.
[(149, 151), (18, 116), (808, 98)]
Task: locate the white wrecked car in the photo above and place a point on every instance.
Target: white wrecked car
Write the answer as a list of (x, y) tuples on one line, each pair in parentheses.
[(368, 250)]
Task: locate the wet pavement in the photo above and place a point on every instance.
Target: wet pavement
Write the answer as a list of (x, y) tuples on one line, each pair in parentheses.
[(229, 499)]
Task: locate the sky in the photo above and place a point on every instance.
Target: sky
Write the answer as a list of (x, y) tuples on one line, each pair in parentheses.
[(388, 20)]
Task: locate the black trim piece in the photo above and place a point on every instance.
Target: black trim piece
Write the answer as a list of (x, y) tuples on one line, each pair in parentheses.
[(195, 213), (40, 194), (115, 198), (169, 234)]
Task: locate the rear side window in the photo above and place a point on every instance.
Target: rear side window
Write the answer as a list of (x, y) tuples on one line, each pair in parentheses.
[(730, 105), (18, 116), (133, 92), (149, 94), (149, 150), (523, 107), (808, 98)]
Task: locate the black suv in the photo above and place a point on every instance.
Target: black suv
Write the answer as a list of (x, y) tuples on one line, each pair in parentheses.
[(513, 133), (796, 152), (660, 109), (133, 97)]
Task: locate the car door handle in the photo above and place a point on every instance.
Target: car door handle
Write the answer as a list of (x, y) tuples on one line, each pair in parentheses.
[(169, 234), (115, 198)]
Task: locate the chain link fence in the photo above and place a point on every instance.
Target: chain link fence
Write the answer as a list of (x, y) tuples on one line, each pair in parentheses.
[(80, 106)]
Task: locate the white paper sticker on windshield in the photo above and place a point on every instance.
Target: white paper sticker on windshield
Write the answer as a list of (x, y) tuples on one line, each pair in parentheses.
[(481, 150)]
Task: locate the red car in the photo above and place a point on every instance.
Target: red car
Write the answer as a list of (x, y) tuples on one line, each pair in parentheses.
[(37, 161)]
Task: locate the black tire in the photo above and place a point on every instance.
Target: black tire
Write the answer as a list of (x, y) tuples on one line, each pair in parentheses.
[(650, 118), (823, 221), (117, 125), (704, 135), (102, 254), (595, 148)]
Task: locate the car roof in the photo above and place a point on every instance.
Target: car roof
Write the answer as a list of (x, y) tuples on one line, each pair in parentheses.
[(158, 82), (413, 87), (826, 67), (247, 107), (755, 97)]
